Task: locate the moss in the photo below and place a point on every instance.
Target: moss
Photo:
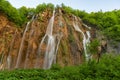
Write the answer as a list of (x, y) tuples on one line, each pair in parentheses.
[(66, 19), (71, 34), (64, 47), (71, 38), (40, 18), (80, 37), (10, 37)]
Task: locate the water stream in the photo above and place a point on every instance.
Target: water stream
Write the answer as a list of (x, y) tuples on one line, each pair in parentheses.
[(22, 44), (86, 41), (50, 45), (28, 49), (9, 58)]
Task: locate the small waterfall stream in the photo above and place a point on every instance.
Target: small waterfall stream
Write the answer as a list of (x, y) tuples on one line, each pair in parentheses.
[(1, 62), (59, 38), (28, 49), (88, 35), (9, 58), (86, 41), (21, 47), (22, 44)]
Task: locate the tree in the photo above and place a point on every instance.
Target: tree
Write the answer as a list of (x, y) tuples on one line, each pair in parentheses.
[(50, 6), (11, 12), (41, 8), (95, 48)]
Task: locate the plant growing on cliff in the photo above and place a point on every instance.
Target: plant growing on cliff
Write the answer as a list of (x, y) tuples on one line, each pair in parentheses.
[(94, 48), (19, 16), (10, 11)]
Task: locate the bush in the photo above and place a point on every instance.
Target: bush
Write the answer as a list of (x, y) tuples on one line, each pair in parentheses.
[(107, 69), (19, 16), (93, 46), (10, 11)]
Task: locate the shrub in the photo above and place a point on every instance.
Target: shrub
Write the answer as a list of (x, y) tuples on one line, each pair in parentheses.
[(107, 69)]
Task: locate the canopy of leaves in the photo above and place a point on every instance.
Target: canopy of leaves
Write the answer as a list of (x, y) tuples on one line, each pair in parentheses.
[(19, 16), (107, 22), (93, 46), (10, 11)]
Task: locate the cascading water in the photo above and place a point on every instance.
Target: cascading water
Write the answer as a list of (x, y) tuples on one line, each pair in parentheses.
[(50, 49), (49, 54), (59, 38), (87, 43), (9, 59), (21, 47), (85, 40), (39, 49), (1, 62), (27, 54), (87, 26), (88, 37), (22, 44)]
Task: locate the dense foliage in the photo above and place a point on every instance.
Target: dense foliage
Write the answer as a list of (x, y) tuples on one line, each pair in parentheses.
[(108, 22), (107, 69), (10, 11), (93, 46), (19, 16)]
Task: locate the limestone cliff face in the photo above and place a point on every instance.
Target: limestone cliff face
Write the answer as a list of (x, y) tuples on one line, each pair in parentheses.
[(8, 31), (30, 52)]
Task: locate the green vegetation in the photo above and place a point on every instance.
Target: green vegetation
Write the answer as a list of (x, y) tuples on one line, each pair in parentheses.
[(42, 7), (107, 69), (19, 16), (64, 47), (107, 22), (93, 46), (10, 11)]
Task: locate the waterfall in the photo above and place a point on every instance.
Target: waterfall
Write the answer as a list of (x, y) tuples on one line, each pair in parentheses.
[(1, 62), (9, 61), (87, 43), (59, 38), (49, 54), (48, 31), (50, 49), (27, 53), (88, 36), (87, 26), (22, 44), (85, 40), (9, 58)]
